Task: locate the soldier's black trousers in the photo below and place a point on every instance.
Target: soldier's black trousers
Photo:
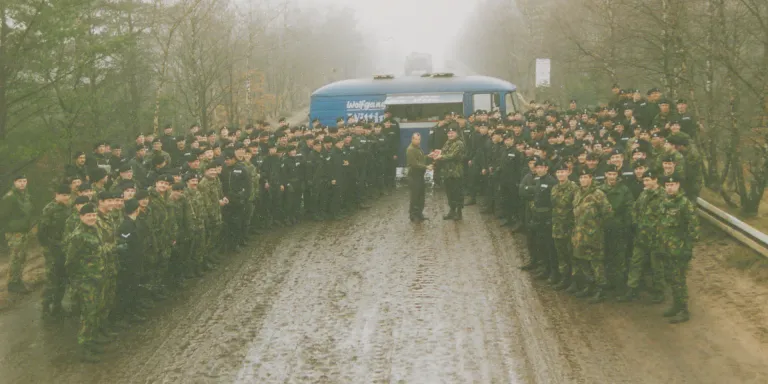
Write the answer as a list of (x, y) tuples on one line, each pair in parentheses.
[(509, 200), (454, 191), (417, 187), (233, 224), (544, 246), (390, 172)]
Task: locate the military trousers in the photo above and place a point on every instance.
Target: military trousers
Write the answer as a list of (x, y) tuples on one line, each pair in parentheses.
[(616, 243), (564, 255), (676, 265), (509, 200), (417, 188), (55, 277), (233, 224), (646, 262), (454, 192), (390, 171), (544, 245), (247, 216), (589, 261), (89, 295), (17, 245)]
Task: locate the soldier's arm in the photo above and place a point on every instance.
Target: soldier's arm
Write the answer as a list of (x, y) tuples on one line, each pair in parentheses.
[(693, 221)]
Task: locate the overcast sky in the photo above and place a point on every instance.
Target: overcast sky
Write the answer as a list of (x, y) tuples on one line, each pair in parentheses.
[(403, 26)]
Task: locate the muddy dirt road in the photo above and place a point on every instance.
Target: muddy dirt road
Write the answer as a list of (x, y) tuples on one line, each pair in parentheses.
[(375, 299)]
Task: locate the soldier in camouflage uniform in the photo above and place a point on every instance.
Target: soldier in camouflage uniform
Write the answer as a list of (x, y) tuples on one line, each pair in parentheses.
[(692, 164), (645, 217), (678, 230), (16, 210), (180, 212), (107, 227), (194, 226), (591, 210), (562, 222), (617, 227), (164, 226), (87, 269), (450, 160), (210, 188), (50, 232)]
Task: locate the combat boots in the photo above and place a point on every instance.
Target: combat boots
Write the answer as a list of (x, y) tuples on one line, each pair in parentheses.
[(583, 293), (682, 316), (458, 216), (451, 215), (630, 295)]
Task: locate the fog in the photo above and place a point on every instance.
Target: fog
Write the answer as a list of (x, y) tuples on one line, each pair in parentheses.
[(395, 28)]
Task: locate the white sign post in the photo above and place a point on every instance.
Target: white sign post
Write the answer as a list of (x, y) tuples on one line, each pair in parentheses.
[(542, 72)]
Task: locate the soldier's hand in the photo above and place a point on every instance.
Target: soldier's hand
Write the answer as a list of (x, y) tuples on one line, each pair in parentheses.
[(282, 188), (469, 163), (333, 182), (266, 185), (483, 172), (394, 157)]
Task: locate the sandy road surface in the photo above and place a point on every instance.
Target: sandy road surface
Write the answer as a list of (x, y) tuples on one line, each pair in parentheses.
[(375, 299)]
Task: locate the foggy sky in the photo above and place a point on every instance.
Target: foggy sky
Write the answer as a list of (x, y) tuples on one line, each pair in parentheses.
[(398, 27)]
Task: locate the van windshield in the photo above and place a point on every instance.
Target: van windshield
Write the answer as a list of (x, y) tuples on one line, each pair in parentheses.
[(414, 113)]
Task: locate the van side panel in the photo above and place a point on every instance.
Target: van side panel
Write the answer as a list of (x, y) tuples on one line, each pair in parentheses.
[(328, 109)]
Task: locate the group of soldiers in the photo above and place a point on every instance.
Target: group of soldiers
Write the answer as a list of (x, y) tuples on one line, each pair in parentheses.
[(606, 197), (123, 232)]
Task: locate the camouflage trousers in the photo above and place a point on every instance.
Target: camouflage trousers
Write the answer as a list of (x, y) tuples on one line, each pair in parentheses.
[(93, 310), (55, 277), (616, 243), (17, 244), (675, 270), (590, 262), (564, 250), (646, 262)]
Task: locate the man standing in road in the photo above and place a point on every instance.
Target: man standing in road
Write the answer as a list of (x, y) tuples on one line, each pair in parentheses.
[(450, 160), (417, 166), (16, 211)]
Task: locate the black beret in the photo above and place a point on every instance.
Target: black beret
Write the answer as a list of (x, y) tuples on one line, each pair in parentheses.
[(239, 145), (78, 154), (142, 194), (229, 154), (190, 157), (178, 187), (541, 163), (668, 158), (82, 200), (612, 168), (678, 140), (166, 178), (63, 189), (84, 187), (124, 167), (585, 171), (563, 166), (116, 146), (131, 206), (105, 195), (653, 90), (682, 101), (156, 140), (210, 165), (157, 159), (453, 129), (593, 156), (98, 174), (663, 101), (126, 184), (673, 178), (638, 164), (651, 174), (87, 208), (191, 175), (616, 151), (19, 177)]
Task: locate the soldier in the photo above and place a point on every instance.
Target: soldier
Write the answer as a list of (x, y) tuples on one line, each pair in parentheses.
[(646, 220), (541, 223), (450, 159), (417, 166), (678, 230), (86, 267), (236, 188), (16, 209), (291, 186), (562, 222), (617, 227), (510, 173), (213, 200), (339, 163), (78, 169), (181, 213), (130, 248), (478, 166), (693, 173), (50, 232), (591, 210), (164, 228)]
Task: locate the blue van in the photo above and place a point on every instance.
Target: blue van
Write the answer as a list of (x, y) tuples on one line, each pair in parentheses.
[(416, 102)]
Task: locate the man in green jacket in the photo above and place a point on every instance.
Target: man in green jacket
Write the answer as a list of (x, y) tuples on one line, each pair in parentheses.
[(451, 160), (417, 166), (617, 227), (50, 233), (16, 208)]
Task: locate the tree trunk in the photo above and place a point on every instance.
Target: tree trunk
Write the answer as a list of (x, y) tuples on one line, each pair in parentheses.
[(3, 73)]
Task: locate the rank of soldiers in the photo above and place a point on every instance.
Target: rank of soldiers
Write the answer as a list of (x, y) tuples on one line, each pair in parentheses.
[(125, 230), (605, 197)]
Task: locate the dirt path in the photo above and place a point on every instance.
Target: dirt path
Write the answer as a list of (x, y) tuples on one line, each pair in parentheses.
[(374, 299)]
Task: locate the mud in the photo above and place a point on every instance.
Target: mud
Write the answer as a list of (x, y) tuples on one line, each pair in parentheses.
[(376, 299)]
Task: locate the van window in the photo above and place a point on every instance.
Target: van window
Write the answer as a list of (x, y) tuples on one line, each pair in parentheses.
[(411, 113), (509, 102), (482, 101)]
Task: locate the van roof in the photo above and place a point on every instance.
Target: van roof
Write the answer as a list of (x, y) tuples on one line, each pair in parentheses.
[(414, 84)]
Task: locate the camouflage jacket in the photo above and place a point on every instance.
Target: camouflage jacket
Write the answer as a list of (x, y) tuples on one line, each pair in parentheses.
[(694, 178), (50, 228), (16, 211), (591, 209), (211, 193), (253, 172), (163, 224), (196, 209), (646, 215), (679, 225), (179, 211), (562, 209), (451, 160), (621, 201), (85, 255), (679, 162)]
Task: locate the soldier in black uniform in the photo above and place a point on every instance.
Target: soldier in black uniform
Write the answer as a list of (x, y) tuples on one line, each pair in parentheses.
[(510, 173), (541, 222), (130, 253), (236, 187), (290, 185)]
